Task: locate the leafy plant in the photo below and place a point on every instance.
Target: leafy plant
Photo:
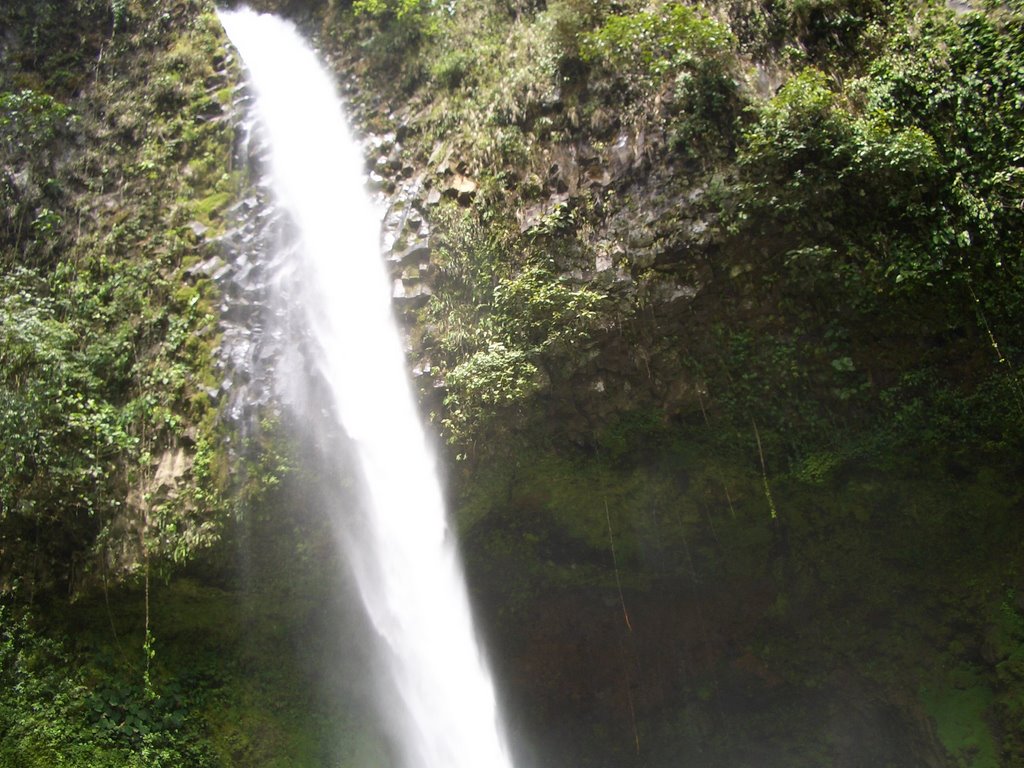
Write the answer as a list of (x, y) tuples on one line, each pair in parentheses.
[(33, 126), (834, 29), (655, 45), (683, 56)]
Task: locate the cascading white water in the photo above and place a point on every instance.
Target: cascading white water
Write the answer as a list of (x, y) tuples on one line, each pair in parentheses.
[(403, 558)]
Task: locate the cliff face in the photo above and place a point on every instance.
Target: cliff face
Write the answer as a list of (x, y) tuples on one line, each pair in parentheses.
[(716, 309), (116, 159), (720, 304)]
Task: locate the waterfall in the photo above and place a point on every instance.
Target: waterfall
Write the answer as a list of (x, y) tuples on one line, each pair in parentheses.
[(442, 709)]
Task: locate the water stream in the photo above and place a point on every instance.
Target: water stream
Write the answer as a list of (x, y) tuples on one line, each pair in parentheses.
[(441, 710)]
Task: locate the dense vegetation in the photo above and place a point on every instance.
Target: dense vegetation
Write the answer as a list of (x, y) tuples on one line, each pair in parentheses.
[(724, 339), (114, 156), (109, 153), (789, 235), (878, 181)]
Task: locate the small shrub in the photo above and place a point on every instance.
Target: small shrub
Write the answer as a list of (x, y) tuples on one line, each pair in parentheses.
[(681, 56)]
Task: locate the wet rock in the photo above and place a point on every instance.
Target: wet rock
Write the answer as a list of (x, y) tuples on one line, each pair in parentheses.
[(641, 237), (441, 159), (243, 205), (198, 229), (379, 143), (604, 122), (207, 268), (598, 175), (620, 156), (418, 253), (564, 169), (404, 231), (378, 183), (221, 273), (410, 293), (962, 6), (393, 161)]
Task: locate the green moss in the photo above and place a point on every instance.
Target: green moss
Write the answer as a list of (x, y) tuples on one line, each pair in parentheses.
[(208, 208), (961, 709)]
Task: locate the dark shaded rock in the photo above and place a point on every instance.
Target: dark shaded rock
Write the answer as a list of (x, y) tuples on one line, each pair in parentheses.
[(532, 216)]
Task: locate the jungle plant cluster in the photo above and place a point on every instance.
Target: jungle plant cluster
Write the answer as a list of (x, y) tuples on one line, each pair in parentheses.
[(109, 148), (507, 327), (885, 206), (860, 164), (861, 169), (54, 709), (112, 153), (867, 204)]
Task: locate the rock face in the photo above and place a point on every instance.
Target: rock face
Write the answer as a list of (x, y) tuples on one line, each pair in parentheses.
[(253, 354), (171, 474), (163, 490), (405, 240), (249, 350), (580, 662), (755, 568), (651, 248)]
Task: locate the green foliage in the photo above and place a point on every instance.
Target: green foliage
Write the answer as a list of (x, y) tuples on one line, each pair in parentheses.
[(104, 353), (573, 19), (75, 427), (686, 58), (119, 11), (808, 147), (498, 85), (488, 380), (798, 125), (396, 29), (61, 440), (958, 79), (891, 195), (834, 30), (934, 130), (33, 129), (656, 45), (780, 381), (471, 258), (534, 319), (839, 35), (504, 320), (959, 712), (51, 715), (29, 121), (452, 68), (1006, 639), (397, 9), (53, 43), (540, 310)]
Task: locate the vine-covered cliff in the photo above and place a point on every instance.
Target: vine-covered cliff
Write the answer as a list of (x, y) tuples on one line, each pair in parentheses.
[(715, 308)]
